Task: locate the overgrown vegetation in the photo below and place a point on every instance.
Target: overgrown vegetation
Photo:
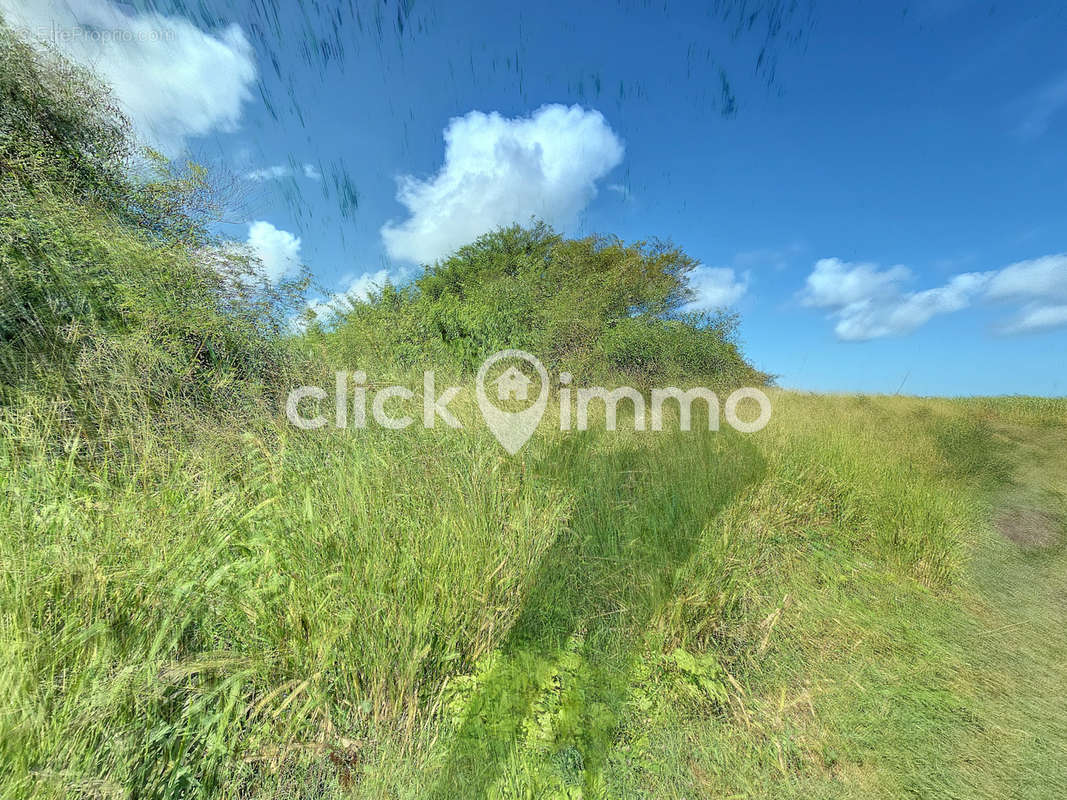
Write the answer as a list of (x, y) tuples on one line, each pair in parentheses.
[(118, 307), (595, 307), (822, 610)]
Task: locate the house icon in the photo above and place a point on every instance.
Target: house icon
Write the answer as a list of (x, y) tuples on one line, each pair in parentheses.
[(512, 385)]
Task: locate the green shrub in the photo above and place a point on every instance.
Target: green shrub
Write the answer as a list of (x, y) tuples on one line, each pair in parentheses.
[(594, 306), (116, 301)]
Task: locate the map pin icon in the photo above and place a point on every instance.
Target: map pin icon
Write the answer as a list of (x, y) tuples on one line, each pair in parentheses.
[(512, 428)]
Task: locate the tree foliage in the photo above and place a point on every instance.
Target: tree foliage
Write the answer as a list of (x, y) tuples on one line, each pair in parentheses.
[(594, 306), (115, 297)]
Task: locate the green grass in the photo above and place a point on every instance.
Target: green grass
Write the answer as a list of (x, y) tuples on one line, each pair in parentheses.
[(823, 609)]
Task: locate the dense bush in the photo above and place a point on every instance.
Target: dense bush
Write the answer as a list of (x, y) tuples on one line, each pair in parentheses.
[(595, 306), (116, 301)]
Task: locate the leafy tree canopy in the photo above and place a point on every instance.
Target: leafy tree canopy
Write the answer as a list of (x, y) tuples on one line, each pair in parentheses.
[(595, 306)]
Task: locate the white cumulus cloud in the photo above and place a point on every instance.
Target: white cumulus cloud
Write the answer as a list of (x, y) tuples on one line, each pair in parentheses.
[(277, 250), (906, 312), (1042, 284), (1044, 277), (174, 80), (1036, 318), (715, 287), (867, 302), (837, 284), (498, 171)]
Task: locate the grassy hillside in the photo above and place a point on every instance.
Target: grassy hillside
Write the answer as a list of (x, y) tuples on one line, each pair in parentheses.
[(824, 609), (198, 600)]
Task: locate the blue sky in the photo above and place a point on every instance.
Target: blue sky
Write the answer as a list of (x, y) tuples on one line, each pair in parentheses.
[(881, 196)]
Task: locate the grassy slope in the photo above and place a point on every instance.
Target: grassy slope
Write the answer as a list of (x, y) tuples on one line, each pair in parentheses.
[(823, 609), (1018, 662)]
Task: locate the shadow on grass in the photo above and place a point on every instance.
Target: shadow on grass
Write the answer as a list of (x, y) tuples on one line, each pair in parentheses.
[(971, 452), (548, 708)]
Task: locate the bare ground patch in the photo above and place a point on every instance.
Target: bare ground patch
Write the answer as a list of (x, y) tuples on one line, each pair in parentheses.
[(1030, 528)]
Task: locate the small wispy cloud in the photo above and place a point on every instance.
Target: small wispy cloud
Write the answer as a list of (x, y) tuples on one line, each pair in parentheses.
[(776, 258), (357, 289), (1041, 106), (279, 171), (268, 173)]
